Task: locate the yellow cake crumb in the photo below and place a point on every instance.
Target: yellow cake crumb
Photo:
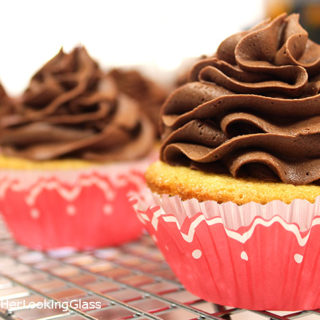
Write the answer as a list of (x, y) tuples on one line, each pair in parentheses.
[(24, 164), (187, 183)]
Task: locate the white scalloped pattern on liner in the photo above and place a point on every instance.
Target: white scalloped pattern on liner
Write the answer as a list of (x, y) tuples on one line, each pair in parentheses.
[(70, 194), (70, 183), (298, 217)]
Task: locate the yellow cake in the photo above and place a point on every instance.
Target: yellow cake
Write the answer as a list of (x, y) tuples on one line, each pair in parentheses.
[(187, 183), (14, 163)]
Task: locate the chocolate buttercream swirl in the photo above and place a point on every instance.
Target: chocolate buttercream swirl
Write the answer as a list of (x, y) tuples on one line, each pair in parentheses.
[(252, 109), (147, 93), (72, 109), (7, 104)]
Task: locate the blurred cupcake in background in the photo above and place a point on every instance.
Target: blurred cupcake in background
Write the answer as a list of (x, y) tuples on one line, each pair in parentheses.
[(73, 146), (309, 11)]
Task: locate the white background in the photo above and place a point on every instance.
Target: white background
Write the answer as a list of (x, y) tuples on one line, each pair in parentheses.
[(157, 35)]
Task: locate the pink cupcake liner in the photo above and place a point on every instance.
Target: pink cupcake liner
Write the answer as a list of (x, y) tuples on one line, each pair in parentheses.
[(259, 257), (81, 209)]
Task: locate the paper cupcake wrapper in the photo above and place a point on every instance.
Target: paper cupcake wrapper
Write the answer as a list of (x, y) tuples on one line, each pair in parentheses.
[(259, 257), (82, 209)]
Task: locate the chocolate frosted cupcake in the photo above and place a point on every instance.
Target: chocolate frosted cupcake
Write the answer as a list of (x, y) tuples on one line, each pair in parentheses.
[(148, 94), (251, 111), (71, 151), (235, 204)]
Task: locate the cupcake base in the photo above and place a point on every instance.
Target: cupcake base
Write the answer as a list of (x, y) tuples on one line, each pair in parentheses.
[(258, 257), (84, 208)]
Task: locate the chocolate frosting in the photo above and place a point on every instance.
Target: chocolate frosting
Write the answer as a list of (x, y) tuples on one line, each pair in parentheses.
[(252, 109), (72, 109), (147, 93), (7, 105)]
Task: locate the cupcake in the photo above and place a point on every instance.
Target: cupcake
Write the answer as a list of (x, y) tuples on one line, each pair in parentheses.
[(235, 200), (146, 92), (72, 148)]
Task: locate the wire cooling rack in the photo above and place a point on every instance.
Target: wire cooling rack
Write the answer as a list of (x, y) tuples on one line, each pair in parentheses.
[(128, 282)]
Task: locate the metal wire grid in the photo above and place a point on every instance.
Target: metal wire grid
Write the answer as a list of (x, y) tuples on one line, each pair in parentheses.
[(131, 282)]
